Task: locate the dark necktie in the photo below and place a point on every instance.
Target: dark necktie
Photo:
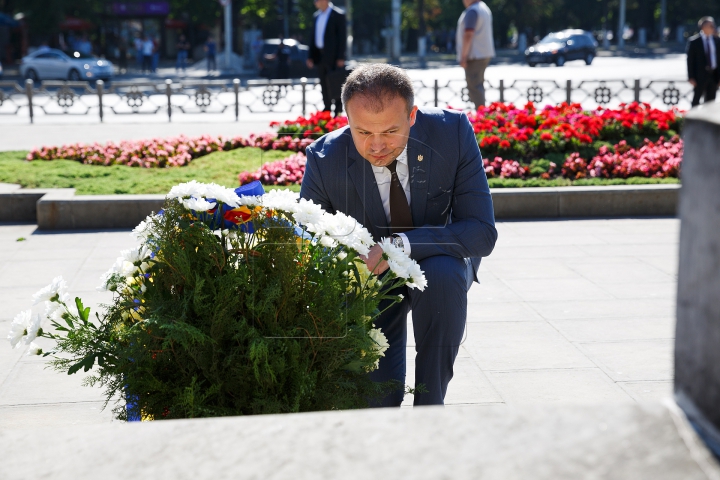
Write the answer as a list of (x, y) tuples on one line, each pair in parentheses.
[(400, 215), (708, 57)]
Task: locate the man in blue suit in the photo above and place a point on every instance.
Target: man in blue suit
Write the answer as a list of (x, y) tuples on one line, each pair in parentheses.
[(415, 174)]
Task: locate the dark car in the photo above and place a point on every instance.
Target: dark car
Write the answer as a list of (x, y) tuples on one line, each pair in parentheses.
[(561, 47), (293, 55)]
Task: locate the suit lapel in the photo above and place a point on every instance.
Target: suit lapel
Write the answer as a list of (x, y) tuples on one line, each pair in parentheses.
[(419, 158), (363, 178)]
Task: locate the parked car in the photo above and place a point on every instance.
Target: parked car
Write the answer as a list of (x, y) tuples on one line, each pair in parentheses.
[(298, 54), (560, 47), (52, 64)]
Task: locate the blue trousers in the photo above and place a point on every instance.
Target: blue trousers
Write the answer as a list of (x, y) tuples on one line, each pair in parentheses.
[(181, 60), (438, 315)]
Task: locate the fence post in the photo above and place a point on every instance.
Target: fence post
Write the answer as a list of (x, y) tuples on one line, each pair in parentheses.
[(502, 91), (436, 90), (303, 87), (168, 92), (100, 86), (236, 89), (568, 92), (29, 84), (637, 90)]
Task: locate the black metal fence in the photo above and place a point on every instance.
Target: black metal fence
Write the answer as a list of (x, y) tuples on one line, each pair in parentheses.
[(237, 98)]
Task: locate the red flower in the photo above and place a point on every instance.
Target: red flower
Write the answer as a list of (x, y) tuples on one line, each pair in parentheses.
[(546, 137), (504, 144)]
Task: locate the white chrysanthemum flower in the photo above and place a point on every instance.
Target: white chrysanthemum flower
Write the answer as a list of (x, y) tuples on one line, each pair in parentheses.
[(192, 188), (33, 329), (50, 307), (250, 200), (134, 255), (126, 265), (326, 241), (56, 315), (222, 194), (104, 279), (347, 231), (144, 228), (18, 327), (198, 204), (417, 275), (403, 266), (34, 349), (309, 214), (381, 343), (285, 200), (57, 287)]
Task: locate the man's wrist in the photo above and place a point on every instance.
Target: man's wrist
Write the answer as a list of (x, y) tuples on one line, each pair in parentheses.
[(401, 241)]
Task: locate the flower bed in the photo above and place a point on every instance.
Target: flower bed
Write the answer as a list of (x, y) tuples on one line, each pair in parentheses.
[(289, 171), (660, 159), (162, 153), (562, 141)]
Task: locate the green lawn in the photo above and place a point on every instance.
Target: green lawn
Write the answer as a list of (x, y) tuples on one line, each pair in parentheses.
[(219, 167)]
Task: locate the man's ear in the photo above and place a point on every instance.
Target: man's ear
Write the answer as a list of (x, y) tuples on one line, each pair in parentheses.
[(413, 115)]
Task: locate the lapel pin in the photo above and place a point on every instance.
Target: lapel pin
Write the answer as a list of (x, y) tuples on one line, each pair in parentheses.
[(420, 158)]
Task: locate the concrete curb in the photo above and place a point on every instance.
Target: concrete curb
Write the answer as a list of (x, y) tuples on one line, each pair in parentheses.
[(61, 209), (610, 201)]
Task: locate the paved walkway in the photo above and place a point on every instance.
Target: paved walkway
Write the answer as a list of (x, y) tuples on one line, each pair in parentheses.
[(578, 311)]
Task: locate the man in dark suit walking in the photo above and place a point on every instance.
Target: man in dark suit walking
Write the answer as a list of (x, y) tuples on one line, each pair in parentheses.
[(327, 47), (415, 176), (703, 60)]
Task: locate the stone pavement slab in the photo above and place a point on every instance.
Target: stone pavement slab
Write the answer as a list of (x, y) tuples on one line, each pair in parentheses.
[(567, 311), (543, 442)]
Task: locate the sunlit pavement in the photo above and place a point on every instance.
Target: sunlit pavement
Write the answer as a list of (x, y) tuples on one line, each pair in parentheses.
[(578, 311)]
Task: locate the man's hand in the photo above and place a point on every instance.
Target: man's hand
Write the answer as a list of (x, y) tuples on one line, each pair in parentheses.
[(374, 260), (692, 82), (463, 62), (340, 63), (309, 63)]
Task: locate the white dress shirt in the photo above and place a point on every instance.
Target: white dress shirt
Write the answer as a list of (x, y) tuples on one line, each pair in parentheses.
[(709, 41), (320, 24), (383, 178)]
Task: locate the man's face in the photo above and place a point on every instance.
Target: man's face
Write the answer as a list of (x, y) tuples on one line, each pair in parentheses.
[(708, 28), (321, 4), (380, 137)]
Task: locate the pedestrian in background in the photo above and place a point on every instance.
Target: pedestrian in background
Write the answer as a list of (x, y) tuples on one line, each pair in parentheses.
[(183, 47), (328, 42), (148, 46), (282, 55), (155, 54), (210, 53), (703, 60), (138, 44), (122, 55), (475, 47)]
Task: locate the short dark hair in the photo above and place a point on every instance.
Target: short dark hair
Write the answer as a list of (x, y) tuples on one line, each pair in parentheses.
[(704, 20), (378, 83)]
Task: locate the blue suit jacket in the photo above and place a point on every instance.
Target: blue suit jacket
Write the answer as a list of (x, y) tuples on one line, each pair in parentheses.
[(449, 196)]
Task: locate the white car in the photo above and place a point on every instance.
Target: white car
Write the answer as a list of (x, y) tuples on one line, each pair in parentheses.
[(52, 64)]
